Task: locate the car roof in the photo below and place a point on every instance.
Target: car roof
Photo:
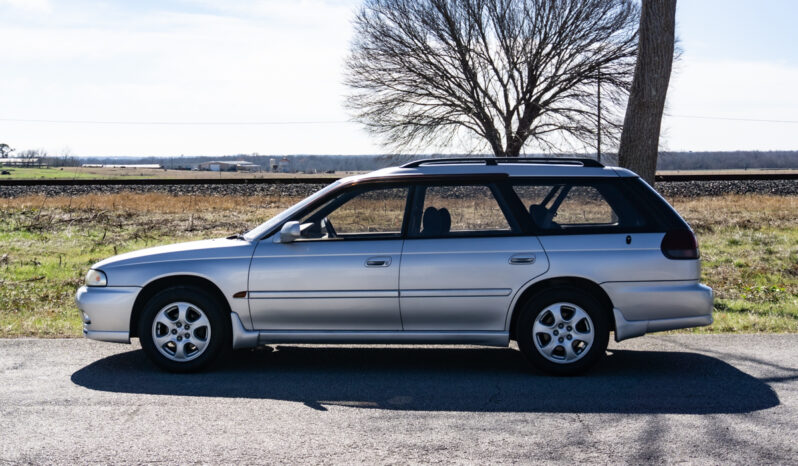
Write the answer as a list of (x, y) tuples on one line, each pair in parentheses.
[(479, 166)]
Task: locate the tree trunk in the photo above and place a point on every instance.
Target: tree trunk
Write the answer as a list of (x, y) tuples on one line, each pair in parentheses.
[(641, 127)]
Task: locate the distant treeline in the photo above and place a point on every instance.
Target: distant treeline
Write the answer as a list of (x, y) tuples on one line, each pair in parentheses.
[(727, 160), (322, 163)]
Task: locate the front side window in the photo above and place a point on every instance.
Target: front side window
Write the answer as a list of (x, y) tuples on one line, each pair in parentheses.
[(597, 206), (368, 212), (458, 210)]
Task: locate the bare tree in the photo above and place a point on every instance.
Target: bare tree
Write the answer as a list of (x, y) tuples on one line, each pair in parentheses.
[(640, 137), (502, 73), (32, 154)]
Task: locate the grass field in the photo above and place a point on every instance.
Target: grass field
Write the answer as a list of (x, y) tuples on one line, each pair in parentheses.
[(749, 245), (96, 173), (67, 173)]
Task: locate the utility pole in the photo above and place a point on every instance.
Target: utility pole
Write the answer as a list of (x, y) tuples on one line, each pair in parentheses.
[(598, 122)]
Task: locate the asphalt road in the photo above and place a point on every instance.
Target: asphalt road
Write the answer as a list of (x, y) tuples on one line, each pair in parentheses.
[(716, 399)]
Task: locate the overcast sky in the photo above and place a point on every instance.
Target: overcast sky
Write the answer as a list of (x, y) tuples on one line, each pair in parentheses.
[(65, 64)]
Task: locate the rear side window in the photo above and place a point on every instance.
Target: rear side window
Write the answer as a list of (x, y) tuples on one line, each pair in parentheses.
[(580, 206), (458, 210)]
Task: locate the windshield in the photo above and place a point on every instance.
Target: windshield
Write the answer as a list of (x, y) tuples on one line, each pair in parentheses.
[(261, 229)]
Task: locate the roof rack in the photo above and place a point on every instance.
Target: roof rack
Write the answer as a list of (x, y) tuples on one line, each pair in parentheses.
[(497, 160)]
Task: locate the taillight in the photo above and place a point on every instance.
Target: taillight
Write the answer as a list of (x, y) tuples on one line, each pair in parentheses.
[(680, 244)]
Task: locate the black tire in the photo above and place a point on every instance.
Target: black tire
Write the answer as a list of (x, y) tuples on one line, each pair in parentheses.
[(542, 303), (218, 337)]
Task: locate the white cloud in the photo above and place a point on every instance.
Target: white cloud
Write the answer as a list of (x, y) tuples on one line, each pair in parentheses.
[(35, 6)]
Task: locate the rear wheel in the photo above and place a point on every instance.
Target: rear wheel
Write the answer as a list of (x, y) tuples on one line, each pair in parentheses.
[(563, 331), (184, 329)]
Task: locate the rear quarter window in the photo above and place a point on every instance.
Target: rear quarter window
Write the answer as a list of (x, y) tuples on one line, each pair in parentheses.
[(582, 206)]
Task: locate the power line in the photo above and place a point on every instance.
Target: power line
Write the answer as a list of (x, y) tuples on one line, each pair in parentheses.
[(179, 123), (317, 122), (756, 120)]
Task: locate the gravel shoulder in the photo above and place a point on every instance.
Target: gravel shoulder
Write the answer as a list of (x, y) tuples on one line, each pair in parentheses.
[(660, 398), (667, 189)]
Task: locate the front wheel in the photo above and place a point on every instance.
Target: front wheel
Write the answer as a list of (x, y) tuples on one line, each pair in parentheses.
[(183, 329), (563, 331)]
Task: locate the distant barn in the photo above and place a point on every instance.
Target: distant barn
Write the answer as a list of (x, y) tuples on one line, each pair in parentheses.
[(230, 166)]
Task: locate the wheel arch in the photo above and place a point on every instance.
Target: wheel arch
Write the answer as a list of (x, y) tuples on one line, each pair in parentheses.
[(162, 283), (576, 282)]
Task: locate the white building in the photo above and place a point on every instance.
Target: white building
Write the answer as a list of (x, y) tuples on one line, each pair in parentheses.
[(21, 162), (229, 166)]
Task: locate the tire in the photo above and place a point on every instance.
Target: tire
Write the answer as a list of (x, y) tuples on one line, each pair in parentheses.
[(559, 319), (167, 342)]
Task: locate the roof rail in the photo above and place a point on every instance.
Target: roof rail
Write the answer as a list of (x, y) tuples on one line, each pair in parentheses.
[(497, 160)]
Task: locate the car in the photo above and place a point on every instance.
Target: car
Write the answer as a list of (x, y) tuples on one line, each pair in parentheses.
[(554, 254)]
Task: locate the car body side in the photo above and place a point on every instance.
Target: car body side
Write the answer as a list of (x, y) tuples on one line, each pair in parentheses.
[(627, 271)]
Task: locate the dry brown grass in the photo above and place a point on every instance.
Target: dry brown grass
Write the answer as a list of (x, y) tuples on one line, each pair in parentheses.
[(752, 211), (149, 202)]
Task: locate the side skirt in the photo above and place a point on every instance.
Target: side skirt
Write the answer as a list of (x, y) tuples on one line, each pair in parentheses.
[(243, 338)]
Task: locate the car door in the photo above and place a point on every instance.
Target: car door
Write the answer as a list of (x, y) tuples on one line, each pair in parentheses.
[(341, 274), (464, 259)]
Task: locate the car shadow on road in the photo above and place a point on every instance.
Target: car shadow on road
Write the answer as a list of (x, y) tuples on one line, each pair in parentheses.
[(448, 379)]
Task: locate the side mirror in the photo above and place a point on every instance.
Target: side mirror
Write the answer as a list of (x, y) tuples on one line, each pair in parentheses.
[(289, 233)]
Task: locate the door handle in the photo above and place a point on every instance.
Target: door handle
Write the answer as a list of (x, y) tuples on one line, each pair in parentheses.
[(522, 259), (378, 262)]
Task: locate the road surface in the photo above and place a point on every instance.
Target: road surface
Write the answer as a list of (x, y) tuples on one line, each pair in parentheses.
[(682, 398)]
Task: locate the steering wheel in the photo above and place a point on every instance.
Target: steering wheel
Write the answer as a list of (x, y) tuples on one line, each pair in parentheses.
[(328, 226)]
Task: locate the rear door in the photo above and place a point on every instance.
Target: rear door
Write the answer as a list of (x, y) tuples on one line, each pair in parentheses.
[(464, 259)]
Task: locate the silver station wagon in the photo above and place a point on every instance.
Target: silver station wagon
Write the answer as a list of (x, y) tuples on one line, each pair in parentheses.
[(552, 253)]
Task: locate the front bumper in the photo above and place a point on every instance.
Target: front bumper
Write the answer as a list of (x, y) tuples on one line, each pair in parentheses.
[(106, 312), (645, 307)]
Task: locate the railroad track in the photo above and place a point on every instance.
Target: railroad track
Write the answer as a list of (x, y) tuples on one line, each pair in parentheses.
[(667, 177)]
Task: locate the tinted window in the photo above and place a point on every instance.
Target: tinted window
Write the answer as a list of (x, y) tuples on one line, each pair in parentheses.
[(360, 213), (597, 206), (459, 210)]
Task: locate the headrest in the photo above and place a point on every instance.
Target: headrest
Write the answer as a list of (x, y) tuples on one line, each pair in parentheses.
[(431, 222), (445, 220), (539, 214)]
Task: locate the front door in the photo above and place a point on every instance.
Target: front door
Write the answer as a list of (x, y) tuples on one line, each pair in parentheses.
[(343, 274)]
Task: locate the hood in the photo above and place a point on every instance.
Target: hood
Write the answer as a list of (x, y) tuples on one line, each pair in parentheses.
[(194, 250)]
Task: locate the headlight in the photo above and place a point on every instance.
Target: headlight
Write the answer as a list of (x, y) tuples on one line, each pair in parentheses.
[(96, 278)]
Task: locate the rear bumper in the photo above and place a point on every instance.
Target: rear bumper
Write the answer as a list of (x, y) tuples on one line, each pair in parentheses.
[(634, 328), (645, 307), (106, 312)]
